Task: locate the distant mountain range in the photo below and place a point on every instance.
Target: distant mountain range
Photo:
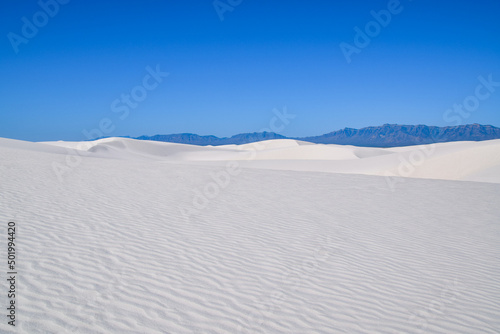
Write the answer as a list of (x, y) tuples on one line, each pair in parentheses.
[(387, 135)]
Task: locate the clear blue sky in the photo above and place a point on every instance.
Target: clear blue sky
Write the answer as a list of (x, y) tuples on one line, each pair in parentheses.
[(227, 76)]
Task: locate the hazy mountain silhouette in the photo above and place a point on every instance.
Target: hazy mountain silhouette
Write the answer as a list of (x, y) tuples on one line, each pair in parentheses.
[(387, 135)]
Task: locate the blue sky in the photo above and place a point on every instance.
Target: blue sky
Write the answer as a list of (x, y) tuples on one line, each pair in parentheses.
[(227, 76)]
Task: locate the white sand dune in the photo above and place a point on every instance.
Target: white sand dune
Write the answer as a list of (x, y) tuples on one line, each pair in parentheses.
[(126, 236), (468, 161)]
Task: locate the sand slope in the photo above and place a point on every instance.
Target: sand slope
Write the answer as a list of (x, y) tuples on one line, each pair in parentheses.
[(143, 237), (469, 161)]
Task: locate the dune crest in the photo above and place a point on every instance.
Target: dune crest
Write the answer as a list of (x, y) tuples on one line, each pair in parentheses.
[(468, 161)]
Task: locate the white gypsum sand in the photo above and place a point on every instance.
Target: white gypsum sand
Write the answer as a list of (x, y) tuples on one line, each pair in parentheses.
[(127, 236)]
